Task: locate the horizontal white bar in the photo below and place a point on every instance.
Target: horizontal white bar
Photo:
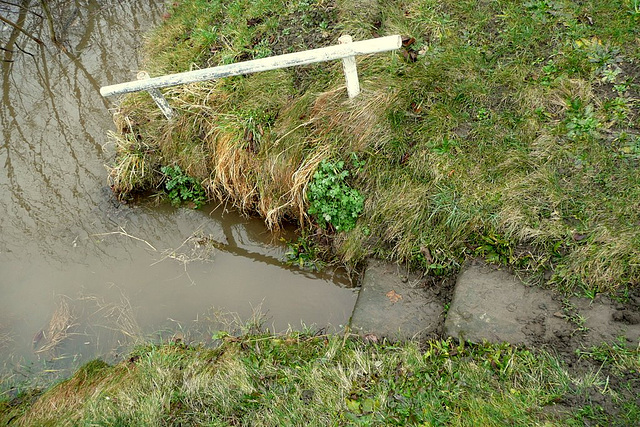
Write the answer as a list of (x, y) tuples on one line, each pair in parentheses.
[(330, 53)]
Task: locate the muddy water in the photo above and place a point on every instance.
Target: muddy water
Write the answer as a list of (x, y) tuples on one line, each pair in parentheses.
[(83, 276)]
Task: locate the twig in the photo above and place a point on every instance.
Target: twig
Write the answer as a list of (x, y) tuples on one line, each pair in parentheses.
[(19, 6), (122, 232), (19, 28), (24, 51)]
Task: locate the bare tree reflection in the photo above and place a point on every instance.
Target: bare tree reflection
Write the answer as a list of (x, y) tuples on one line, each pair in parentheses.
[(53, 119)]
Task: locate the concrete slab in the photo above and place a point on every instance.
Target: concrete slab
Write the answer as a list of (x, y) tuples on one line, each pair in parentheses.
[(395, 306), (492, 305)]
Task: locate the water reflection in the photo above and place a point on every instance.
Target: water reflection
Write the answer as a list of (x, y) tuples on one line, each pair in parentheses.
[(122, 271)]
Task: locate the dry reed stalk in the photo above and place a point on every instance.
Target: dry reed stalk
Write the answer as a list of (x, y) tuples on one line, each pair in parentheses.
[(6, 336), (62, 320), (120, 316)]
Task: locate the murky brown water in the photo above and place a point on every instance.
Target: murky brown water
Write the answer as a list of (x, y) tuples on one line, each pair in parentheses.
[(122, 272)]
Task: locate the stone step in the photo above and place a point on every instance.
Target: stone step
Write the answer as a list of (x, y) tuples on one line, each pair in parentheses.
[(393, 305), (488, 304), (493, 305)]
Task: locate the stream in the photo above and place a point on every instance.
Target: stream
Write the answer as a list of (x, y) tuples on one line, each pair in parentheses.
[(84, 276)]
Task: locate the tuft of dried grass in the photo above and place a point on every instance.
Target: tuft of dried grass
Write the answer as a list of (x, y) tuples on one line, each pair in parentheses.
[(119, 317), (62, 321), (6, 336), (357, 121)]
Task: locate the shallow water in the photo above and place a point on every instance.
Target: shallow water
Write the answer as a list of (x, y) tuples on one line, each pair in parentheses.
[(125, 272)]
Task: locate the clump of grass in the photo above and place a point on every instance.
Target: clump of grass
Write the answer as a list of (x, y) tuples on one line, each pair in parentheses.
[(62, 321), (490, 135), (301, 378), (6, 335)]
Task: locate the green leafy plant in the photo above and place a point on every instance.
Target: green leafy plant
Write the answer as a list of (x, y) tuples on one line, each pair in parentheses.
[(581, 122), (304, 254), (182, 188), (496, 249), (332, 200), (549, 73), (446, 146)]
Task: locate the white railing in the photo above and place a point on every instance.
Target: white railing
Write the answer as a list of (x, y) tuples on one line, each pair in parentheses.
[(347, 50)]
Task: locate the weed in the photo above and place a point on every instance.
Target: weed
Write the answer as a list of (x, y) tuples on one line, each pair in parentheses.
[(446, 146), (581, 121), (572, 314), (549, 73), (496, 249), (603, 57), (304, 254), (618, 110), (331, 199), (182, 188)]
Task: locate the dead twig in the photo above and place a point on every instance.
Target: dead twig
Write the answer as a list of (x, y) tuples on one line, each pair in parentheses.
[(122, 232)]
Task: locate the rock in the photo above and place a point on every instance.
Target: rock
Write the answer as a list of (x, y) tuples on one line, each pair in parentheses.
[(391, 307)]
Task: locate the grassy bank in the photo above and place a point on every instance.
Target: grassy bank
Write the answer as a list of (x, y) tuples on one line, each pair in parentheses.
[(504, 129), (300, 379)]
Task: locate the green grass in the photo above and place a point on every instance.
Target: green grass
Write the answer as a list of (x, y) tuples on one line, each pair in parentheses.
[(514, 134), (300, 379)]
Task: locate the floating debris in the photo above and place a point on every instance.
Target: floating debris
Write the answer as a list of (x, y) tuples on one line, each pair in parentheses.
[(62, 321)]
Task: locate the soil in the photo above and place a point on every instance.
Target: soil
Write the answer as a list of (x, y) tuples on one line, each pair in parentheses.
[(306, 29)]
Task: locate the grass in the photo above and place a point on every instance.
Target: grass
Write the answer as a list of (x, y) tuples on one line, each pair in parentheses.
[(303, 379), (62, 321), (506, 130)]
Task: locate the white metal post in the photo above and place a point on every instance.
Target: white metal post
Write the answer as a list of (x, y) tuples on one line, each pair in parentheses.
[(157, 96), (350, 70)]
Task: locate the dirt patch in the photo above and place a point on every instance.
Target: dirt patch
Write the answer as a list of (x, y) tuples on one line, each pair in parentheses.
[(306, 28), (599, 402)]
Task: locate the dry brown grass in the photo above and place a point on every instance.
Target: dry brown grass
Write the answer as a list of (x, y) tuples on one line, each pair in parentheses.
[(6, 335), (116, 316), (357, 122), (63, 320), (65, 403)]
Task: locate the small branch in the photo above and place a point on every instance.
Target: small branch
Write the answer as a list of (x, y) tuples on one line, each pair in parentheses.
[(122, 232), (52, 31), (21, 7), (19, 28), (24, 51)]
